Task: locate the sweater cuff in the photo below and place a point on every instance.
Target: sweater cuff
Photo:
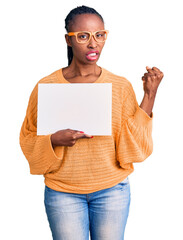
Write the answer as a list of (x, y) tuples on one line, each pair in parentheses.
[(142, 118), (56, 153)]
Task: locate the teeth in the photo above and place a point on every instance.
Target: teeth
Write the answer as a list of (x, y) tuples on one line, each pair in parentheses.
[(92, 54)]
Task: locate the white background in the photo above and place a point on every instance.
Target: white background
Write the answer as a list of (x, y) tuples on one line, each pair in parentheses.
[(142, 33)]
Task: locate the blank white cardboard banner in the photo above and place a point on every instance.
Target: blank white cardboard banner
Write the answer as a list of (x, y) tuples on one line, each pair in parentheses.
[(85, 107)]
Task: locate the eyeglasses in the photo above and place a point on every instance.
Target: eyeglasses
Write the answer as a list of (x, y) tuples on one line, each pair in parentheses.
[(85, 36)]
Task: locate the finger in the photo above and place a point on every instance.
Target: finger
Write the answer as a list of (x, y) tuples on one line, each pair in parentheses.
[(156, 69), (148, 78), (77, 134), (144, 78), (151, 71), (88, 136), (83, 135), (148, 74)]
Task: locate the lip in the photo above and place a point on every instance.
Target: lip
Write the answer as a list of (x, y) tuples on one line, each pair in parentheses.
[(92, 58), (97, 52)]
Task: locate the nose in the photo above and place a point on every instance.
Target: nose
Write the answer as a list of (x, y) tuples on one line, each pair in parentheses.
[(92, 43)]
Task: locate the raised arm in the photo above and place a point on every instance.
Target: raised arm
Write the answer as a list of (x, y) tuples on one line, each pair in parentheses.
[(151, 81), (134, 142)]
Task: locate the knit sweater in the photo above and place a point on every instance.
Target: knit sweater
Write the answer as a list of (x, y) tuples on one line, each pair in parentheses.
[(91, 164)]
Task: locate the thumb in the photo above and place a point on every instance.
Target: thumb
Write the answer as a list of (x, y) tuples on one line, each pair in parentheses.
[(87, 135), (82, 135)]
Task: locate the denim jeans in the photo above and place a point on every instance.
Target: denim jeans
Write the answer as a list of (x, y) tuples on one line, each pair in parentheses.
[(103, 213)]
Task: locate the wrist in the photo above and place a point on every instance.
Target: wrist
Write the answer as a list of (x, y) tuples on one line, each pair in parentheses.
[(148, 102), (150, 95)]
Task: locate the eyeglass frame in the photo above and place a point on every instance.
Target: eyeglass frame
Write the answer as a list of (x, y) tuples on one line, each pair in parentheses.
[(91, 34)]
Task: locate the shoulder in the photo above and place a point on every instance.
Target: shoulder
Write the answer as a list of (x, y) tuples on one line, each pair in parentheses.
[(51, 78), (119, 82)]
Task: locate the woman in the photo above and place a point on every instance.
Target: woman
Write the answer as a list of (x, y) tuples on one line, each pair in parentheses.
[(86, 178)]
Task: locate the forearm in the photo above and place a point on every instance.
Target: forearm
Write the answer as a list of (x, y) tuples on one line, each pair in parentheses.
[(148, 103)]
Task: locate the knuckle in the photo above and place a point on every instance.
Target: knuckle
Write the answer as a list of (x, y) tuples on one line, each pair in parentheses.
[(149, 78), (73, 137)]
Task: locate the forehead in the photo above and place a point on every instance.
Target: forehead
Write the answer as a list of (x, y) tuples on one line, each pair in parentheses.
[(86, 22)]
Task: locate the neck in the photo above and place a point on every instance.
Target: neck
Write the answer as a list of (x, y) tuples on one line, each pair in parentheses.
[(83, 70)]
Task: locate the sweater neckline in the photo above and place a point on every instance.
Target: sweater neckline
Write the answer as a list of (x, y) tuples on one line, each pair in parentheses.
[(62, 78)]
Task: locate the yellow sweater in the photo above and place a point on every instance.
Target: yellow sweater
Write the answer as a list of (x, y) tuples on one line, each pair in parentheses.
[(91, 164)]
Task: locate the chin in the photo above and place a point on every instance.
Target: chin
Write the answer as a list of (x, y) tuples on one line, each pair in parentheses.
[(91, 62), (88, 62)]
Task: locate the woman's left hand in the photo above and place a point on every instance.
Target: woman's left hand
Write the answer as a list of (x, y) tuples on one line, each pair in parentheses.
[(151, 80)]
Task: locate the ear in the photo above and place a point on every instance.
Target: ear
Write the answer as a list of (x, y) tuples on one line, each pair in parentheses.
[(68, 40)]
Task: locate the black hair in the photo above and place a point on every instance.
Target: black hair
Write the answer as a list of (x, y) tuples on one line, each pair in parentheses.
[(74, 12)]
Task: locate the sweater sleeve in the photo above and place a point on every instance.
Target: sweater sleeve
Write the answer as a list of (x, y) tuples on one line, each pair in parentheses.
[(134, 142), (38, 150)]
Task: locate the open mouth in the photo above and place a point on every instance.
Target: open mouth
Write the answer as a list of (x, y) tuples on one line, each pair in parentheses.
[(92, 56)]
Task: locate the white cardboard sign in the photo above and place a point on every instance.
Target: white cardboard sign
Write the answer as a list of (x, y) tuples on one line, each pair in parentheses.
[(85, 107)]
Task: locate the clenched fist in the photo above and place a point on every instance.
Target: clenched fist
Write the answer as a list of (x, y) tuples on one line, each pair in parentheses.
[(151, 80)]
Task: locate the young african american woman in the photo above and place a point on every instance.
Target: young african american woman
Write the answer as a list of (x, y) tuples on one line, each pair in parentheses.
[(87, 189)]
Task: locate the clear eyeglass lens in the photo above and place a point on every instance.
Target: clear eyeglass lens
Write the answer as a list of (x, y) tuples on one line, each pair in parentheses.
[(101, 36), (84, 36)]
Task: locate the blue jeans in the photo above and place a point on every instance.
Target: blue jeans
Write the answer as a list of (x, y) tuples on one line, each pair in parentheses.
[(103, 213)]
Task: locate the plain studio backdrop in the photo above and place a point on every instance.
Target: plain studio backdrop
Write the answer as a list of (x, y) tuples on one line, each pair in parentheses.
[(142, 33)]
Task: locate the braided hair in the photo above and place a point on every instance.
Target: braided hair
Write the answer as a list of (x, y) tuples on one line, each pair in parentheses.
[(77, 11)]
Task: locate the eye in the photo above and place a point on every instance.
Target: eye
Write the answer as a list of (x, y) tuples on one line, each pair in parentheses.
[(83, 36), (100, 34)]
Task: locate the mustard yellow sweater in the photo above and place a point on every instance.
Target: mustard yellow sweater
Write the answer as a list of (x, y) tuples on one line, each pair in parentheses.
[(91, 164)]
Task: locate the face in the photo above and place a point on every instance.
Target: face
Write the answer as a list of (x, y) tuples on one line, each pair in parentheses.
[(85, 22)]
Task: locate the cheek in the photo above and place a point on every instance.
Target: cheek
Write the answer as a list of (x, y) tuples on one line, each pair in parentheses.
[(102, 45), (78, 49), (101, 48)]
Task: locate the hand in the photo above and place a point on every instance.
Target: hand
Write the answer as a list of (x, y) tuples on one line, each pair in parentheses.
[(67, 137), (151, 80)]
